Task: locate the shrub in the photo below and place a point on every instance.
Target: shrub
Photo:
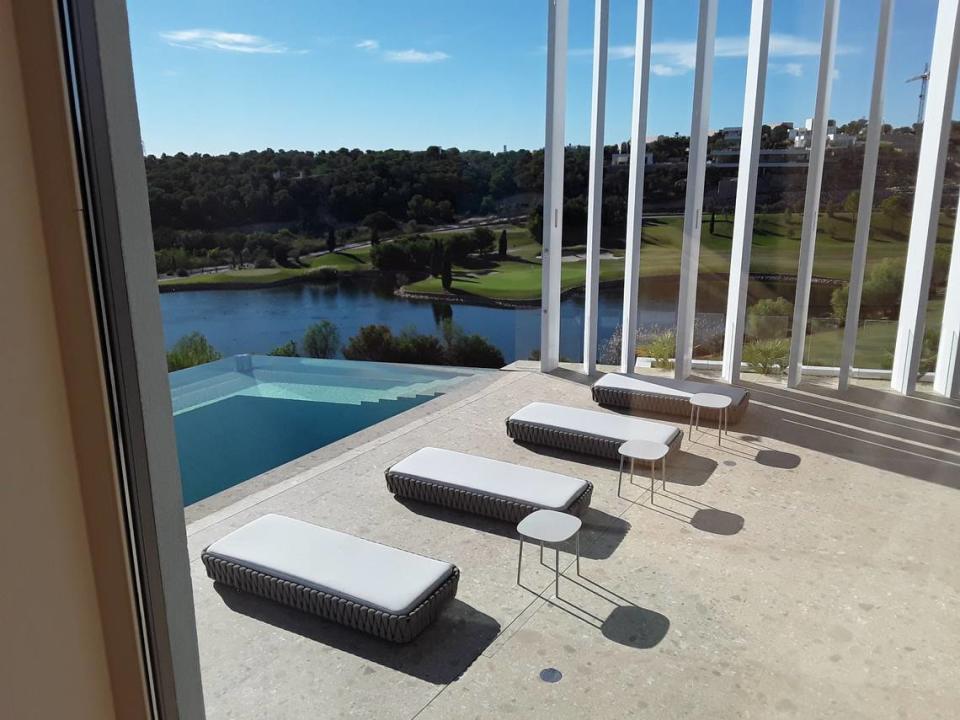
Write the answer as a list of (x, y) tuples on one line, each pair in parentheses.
[(288, 349), (661, 348), (377, 343), (321, 340), (768, 319), (190, 350), (838, 301), (767, 356)]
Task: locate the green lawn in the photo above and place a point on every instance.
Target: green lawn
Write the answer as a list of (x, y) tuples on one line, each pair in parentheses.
[(343, 261), (875, 341), (775, 249)]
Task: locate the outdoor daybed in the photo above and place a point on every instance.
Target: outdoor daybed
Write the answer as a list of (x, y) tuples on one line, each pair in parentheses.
[(586, 431), (381, 590), (665, 395), (482, 486)]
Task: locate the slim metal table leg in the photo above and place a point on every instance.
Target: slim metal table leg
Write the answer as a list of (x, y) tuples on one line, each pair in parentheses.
[(519, 559), (620, 479), (578, 552), (541, 552), (663, 471), (557, 572), (653, 477)]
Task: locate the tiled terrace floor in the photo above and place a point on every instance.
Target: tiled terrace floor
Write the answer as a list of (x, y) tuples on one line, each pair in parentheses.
[(806, 569)]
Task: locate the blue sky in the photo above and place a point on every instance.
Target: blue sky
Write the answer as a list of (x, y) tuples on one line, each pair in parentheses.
[(221, 75)]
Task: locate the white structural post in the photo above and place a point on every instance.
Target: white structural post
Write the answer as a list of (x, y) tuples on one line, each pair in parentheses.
[(946, 377), (927, 195), (552, 251), (811, 204), (601, 20), (865, 208), (757, 50), (638, 155), (696, 172)]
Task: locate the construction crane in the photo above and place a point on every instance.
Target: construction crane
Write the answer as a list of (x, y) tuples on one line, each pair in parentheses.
[(924, 78)]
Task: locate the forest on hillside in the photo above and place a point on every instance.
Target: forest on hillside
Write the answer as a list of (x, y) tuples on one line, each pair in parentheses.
[(197, 201)]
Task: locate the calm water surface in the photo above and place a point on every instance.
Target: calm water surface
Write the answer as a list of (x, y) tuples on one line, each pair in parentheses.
[(256, 321)]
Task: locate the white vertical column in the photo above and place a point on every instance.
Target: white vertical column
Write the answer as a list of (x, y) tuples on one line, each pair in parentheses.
[(696, 172), (557, 21), (865, 208), (638, 154), (946, 377), (811, 204), (927, 195), (757, 50), (601, 20)]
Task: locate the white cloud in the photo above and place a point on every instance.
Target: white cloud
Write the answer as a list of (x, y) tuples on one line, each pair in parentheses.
[(793, 69), (414, 56), (676, 57), (200, 39), (368, 45), (666, 70)]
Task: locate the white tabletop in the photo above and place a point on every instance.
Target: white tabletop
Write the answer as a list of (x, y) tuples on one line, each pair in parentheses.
[(549, 526), (710, 400), (644, 450)]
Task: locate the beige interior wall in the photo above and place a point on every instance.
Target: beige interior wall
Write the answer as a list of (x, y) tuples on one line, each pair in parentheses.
[(53, 661)]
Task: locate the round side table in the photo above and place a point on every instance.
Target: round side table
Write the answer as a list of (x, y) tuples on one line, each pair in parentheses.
[(645, 451), (711, 401), (553, 527)]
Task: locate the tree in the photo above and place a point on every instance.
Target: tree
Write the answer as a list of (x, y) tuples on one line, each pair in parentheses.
[(236, 242), (374, 237), (190, 350), (446, 272), (288, 349), (502, 249), (331, 240), (769, 318), (379, 221), (852, 202), (483, 240), (436, 258), (535, 224), (321, 340), (894, 209)]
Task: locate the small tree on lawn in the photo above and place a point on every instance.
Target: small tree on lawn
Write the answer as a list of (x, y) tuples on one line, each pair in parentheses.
[(436, 258), (503, 243), (446, 272), (331, 240)]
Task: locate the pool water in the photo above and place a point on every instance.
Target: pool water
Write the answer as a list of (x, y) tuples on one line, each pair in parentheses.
[(241, 416)]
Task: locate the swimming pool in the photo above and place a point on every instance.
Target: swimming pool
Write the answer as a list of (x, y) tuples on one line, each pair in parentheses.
[(241, 416)]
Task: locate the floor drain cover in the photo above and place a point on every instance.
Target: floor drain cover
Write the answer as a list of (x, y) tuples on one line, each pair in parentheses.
[(550, 675)]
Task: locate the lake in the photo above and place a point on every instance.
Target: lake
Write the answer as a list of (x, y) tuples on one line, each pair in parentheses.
[(256, 321)]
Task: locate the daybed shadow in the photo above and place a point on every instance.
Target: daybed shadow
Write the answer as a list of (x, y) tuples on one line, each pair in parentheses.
[(683, 468), (439, 656), (601, 534)]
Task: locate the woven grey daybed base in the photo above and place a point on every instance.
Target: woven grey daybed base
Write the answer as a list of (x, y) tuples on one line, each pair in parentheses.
[(569, 440), (663, 404), (396, 628), (513, 511)]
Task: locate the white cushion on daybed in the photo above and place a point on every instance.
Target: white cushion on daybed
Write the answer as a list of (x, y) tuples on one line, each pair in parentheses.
[(385, 578), (599, 424), (669, 386), (492, 477)]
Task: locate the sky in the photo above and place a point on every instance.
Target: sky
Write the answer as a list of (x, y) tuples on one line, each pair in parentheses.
[(232, 75)]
